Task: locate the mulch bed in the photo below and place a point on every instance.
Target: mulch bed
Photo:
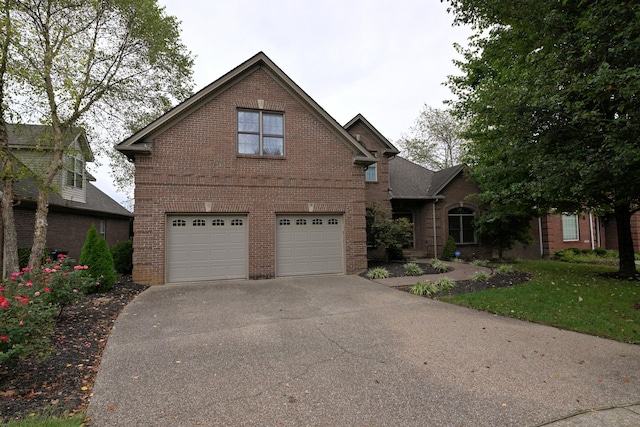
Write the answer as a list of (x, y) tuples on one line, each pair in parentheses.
[(396, 269), (63, 381)]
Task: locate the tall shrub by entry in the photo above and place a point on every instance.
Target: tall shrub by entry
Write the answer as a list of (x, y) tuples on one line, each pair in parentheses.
[(97, 255)]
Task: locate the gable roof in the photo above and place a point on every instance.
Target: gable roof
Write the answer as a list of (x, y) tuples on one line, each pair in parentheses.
[(26, 190), (25, 136), (141, 142), (390, 149), (443, 177), (409, 180)]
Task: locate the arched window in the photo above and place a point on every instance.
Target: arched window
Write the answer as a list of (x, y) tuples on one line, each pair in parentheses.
[(461, 225)]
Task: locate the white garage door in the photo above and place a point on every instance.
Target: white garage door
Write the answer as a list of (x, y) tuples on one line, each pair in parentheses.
[(206, 247), (309, 244)]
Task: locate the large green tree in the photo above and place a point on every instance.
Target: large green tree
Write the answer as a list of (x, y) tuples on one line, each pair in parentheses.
[(551, 90), (101, 62)]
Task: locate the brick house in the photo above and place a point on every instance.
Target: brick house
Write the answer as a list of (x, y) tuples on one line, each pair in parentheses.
[(74, 203), (251, 178), (248, 178), (438, 205)]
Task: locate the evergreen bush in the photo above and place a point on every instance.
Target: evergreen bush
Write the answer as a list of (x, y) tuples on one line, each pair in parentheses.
[(449, 250), (122, 253), (96, 254)]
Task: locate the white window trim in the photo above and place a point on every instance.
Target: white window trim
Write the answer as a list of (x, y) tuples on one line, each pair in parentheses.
[(565, 220)]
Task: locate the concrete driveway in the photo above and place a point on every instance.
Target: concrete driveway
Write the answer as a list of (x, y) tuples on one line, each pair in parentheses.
[(342, 350)]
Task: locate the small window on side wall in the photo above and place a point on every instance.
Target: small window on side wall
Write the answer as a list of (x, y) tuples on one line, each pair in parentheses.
[(371, 175), (570, 228)]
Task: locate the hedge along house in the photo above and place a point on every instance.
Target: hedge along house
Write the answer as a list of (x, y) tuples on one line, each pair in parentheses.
[(248, 178)]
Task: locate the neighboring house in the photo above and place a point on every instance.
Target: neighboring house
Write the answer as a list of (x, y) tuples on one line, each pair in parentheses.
[(439, 204), (248, 178), (74, 203)]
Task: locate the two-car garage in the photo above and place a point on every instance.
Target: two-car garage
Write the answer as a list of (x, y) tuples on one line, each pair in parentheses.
[(212, 247)]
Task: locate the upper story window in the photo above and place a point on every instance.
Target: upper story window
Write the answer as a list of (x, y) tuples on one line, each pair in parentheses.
[(260, 133), (371, 174), (461, 225), (570, 228), (74, 170)]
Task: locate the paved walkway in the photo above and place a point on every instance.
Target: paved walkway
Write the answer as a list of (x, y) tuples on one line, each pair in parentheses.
[(342, 350), (459, 271)]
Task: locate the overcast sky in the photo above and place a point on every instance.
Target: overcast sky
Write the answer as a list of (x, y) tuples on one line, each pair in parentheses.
[(383, 59)]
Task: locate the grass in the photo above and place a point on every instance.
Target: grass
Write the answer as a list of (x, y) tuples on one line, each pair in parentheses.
[(569, 296), (45, 420)]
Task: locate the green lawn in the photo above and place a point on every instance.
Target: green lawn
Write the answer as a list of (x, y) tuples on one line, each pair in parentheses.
[(45, 420), (569, 296)]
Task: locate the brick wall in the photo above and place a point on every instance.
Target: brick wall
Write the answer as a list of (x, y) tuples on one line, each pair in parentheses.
[(195, 168), (68, 231)]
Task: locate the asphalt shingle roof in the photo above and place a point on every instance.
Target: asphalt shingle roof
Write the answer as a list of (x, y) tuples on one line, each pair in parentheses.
[(409, 180)]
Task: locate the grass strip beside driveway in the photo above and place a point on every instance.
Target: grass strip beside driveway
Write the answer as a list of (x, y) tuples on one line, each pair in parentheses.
[(577, 297)]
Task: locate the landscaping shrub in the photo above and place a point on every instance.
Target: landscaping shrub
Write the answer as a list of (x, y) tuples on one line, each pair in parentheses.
[(424, 288), (480, 262), (30, 301), (449, 250), (480, 276), (439, 266), (378, 273), (122, 253), (504, 269), (96, 254), (601, 252), (413, 269), (445, 284), (25, 253)]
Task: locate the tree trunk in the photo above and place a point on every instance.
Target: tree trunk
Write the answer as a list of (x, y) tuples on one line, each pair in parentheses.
[(10, 237), (625, 242), (40, 228)]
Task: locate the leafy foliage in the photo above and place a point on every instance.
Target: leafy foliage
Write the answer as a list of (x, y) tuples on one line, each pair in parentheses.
[(434, 140), (550, 92), (29, 303), (439, 265), (96, 254), (449, 250), (392, 234), (445, 283), (122, 253), (480, 276), (504, 269), (413, 269), (424, 288), (378, 273)]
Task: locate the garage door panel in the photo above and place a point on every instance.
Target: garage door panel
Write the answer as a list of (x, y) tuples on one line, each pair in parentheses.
[(206, 247), (309, 244)]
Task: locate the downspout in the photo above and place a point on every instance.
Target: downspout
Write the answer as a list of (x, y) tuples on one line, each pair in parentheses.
[(435, 236), (591, 231), (540, 237)]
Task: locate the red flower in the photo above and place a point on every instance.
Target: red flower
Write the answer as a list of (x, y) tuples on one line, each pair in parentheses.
[(46, 289), (3, 302), (4, 338)]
